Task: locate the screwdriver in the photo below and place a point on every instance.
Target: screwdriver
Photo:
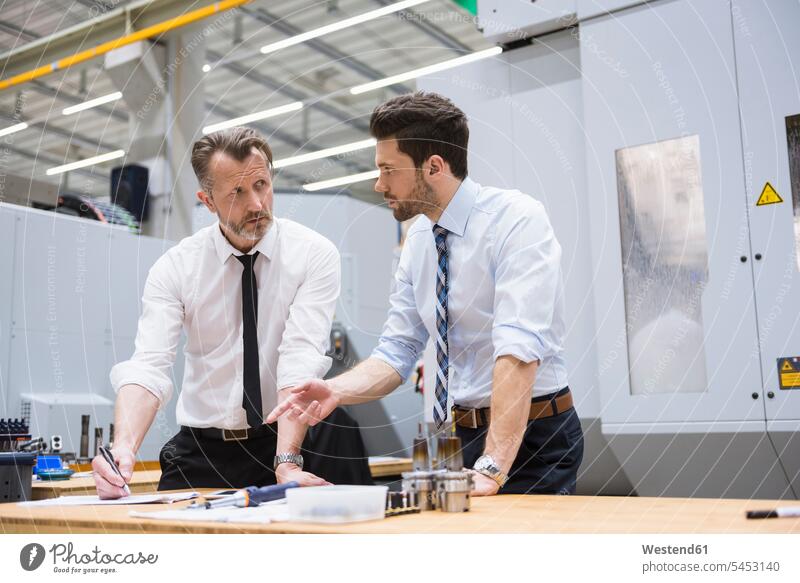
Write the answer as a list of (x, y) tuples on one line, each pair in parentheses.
[(250, 496)]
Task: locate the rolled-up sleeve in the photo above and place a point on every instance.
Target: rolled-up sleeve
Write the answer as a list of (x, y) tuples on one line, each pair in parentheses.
[(307, 335), (527, 281), (157, 335), (404, 335)]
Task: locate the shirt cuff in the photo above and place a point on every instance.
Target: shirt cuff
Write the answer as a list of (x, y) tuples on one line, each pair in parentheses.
[(522, 344), (397, 355), (294, 369), (131, 372)]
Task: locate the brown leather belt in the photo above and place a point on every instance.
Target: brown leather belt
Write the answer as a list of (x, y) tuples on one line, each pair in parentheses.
[(231, 434), (541, 408)]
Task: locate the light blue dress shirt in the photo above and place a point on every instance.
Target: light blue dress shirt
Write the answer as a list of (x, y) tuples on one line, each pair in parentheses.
[(506, 293)]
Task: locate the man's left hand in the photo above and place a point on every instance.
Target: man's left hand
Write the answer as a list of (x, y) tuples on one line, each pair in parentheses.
[(293, 473), (483, 485)]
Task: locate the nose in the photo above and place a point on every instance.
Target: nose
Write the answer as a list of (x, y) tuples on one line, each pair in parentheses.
[(255, 203), (380, 186)]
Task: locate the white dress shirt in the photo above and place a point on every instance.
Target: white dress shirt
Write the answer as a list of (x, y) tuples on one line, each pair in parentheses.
[(505, 293), (196, 286)]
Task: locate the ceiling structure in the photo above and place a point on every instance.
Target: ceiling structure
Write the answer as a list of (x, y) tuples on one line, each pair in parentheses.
[(240, 81)]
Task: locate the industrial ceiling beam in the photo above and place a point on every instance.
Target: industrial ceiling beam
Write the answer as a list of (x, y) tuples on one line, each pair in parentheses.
[(97, 173), (428, 28), (256, 77), (340, 57), (102, 34)]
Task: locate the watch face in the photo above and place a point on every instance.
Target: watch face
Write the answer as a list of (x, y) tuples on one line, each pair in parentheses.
[(485, 463)]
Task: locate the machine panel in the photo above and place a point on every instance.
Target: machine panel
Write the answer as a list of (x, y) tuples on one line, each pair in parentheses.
[(669, 217)]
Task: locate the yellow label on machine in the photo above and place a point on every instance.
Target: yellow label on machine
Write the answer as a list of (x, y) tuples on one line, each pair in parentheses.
[(789, 372), (769, 196)]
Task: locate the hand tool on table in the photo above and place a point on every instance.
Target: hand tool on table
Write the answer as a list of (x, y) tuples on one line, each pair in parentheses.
[(250, 496)]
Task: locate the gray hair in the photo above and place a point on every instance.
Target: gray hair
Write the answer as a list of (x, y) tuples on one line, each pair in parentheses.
[(237, 143)]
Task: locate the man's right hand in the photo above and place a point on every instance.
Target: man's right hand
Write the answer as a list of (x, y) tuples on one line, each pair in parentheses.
[(309, 403), (109, 484)]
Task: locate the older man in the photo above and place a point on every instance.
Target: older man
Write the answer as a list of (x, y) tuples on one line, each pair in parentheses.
[(255, 296)]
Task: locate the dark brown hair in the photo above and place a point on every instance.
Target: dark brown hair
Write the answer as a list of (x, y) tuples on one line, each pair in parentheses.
[(424, 124), (238, 143)]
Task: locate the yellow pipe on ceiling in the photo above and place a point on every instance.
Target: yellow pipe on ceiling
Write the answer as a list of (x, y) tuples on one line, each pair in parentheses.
[(145, 33)]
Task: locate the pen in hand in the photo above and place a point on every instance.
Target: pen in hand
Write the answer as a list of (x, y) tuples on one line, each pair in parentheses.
[(110, 459)]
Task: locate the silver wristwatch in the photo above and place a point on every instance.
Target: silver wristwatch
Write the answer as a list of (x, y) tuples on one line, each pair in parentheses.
[(287, 458), (489, 468)]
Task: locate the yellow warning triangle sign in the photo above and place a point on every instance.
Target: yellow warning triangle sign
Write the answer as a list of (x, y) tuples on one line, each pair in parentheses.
[(786, 367), (768, 196)]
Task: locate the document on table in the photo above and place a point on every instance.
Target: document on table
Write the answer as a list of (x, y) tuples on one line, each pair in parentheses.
[(96, 501), (263, 514)]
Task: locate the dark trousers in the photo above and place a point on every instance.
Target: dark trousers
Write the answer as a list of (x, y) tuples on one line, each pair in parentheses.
[(332, 450), (192, 461), (548, 459)]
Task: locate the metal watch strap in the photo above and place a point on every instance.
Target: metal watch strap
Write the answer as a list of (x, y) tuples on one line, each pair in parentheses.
[(498, 477), (488, 467), (287, 458)]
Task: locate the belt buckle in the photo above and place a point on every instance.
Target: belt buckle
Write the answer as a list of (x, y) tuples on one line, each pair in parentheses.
[(473, 419), (234, 434)]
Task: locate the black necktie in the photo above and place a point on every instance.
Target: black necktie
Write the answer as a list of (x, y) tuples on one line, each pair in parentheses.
[(251, 397)]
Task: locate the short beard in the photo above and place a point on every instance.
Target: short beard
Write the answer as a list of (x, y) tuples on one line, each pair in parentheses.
[(422, 200), (249, 233)]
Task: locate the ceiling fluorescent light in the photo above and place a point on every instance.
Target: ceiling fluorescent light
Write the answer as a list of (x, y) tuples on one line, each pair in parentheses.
[(399, 78), (17, 127), (92, 103), (333, 182), (346, 23), (326, 153), (245, 119), (87, 162)]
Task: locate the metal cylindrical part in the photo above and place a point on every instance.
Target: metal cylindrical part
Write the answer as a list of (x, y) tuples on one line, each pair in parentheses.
[(423, 486), (420, 455), (453, 491), (98, 440), (110, 435), (84, 452), (450, 456)]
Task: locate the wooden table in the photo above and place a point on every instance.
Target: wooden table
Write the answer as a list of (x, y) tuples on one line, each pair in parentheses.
[(146, 482), (497, 514)]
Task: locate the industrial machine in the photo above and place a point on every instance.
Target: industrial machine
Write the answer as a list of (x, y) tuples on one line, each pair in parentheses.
[(663, 139)]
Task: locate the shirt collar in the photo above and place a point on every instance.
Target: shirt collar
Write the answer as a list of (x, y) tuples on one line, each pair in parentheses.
[(224, 249), (455, 215)]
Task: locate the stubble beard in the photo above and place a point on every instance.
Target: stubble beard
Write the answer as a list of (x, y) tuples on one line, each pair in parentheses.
[(422, 200)]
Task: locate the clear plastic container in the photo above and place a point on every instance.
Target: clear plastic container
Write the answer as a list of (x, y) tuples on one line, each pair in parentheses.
[(336, 504)]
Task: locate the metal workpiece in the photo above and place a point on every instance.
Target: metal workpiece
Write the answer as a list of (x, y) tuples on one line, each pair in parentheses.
[(453, 491), (98, 440), (422, 485), (398, 503), (84, 452), (421, 452), (449, 453)]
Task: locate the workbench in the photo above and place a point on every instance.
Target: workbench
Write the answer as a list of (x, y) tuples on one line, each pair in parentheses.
[(496, 514), (146, 482)]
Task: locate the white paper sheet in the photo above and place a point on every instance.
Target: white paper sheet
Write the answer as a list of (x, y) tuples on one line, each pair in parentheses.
[(96, 501), (256, 515)]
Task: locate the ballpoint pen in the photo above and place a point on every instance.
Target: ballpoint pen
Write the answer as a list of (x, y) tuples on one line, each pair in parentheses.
[(110, 459)]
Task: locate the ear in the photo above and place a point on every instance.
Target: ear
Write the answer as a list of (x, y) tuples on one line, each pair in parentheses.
[(436, 166), (206, 200)]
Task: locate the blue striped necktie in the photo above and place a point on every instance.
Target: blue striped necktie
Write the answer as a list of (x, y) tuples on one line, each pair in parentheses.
[(442, 360)]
